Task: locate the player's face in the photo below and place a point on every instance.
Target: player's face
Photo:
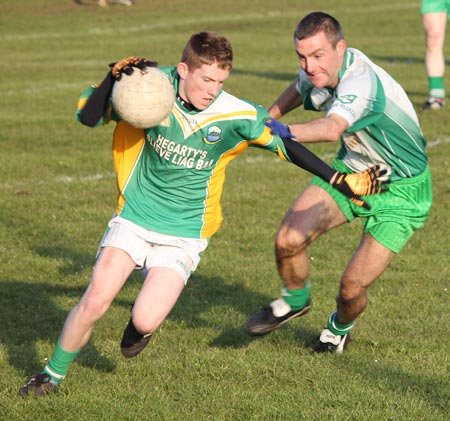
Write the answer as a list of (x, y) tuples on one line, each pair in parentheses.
[(320, 60), (200, 86)]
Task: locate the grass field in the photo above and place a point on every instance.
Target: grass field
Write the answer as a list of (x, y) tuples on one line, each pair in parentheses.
[(57, 192)]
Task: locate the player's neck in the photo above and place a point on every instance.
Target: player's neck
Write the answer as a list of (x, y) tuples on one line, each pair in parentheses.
[(185, 103)]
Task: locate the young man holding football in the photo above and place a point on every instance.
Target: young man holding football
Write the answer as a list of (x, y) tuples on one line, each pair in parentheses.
[(376, 123), (169, 208)]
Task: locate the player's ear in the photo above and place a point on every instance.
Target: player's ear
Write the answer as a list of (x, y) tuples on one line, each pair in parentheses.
[(183, 70), (341, 46)]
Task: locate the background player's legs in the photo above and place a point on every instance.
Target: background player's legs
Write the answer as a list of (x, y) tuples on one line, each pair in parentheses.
[(434, 25)]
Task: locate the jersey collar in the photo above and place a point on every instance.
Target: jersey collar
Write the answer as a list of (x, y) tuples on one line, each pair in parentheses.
[(349, 58)]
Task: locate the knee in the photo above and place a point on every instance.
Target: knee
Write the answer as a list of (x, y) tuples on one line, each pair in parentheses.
[(350, 291), (93, 307), (288, 243), (144, 324), (435, 40)]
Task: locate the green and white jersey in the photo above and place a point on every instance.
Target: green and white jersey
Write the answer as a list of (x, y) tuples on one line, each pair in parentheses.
[(383, 125), (170, 177)]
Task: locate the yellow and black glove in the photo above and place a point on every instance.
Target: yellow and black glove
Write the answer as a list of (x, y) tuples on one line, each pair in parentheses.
[(126, 66), (360, 184), (354, 186)]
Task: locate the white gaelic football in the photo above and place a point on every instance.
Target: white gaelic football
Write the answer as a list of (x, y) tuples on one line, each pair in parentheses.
[(143, 99)]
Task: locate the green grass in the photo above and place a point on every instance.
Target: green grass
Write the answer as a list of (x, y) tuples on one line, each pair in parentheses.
[(57, 193)]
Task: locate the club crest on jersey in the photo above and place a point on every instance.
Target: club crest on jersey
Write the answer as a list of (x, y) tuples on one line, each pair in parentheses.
[(346, 99), (213, 135)]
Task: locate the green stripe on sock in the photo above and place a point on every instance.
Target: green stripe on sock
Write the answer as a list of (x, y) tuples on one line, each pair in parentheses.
[(338, 328), (297, 298)]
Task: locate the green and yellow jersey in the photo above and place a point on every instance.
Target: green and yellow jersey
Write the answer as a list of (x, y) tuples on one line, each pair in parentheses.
[(170, 177)]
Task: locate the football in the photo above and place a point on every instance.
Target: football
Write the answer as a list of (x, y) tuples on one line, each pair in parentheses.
[(144, 98)]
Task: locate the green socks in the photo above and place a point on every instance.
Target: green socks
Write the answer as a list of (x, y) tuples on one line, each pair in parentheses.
[(59, 363), (297, 298), (436, 87), (338, 328)]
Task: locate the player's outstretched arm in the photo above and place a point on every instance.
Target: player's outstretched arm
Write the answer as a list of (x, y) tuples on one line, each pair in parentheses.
[(354, 186)]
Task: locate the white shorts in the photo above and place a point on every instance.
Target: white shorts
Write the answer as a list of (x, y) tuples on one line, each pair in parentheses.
[(150, 249)]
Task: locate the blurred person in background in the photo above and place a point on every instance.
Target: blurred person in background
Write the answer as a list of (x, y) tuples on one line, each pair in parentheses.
[(435, 14)]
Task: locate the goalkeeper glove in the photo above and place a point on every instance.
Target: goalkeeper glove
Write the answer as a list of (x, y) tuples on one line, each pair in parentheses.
[(360, 184), (126, 66), (279, 129)]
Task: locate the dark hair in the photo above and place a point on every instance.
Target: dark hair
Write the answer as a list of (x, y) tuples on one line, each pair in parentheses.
[(208, 48), (317, 22)]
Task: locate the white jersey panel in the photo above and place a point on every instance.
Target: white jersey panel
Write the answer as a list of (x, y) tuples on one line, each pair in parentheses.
[(383, 125)]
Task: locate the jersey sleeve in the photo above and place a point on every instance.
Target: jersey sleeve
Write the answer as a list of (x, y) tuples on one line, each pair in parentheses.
[(360, 98), (107, 116), (260, 136)]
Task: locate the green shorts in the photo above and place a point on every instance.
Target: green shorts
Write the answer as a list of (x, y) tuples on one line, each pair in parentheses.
[(395, 214), (434, 6)]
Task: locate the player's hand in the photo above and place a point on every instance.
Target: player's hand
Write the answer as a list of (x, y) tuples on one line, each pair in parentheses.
[(279, 129), (360, 184), (126, 66)]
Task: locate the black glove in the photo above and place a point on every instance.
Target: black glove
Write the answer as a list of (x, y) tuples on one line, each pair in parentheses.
[(126, 66), (360, 184)]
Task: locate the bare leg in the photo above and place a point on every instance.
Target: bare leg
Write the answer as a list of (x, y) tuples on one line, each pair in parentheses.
[(161, 290), (312, 214), (367, 264), (158, 295), (110, 273), (434, 25)]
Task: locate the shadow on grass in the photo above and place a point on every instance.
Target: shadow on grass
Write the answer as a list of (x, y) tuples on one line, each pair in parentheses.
[(204, 296), (71, 262), (34, 315), (31, 314), (429, 389), (236, 337)]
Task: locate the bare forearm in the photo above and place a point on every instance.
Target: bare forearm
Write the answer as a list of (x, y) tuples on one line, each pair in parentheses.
[(327, 129)]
